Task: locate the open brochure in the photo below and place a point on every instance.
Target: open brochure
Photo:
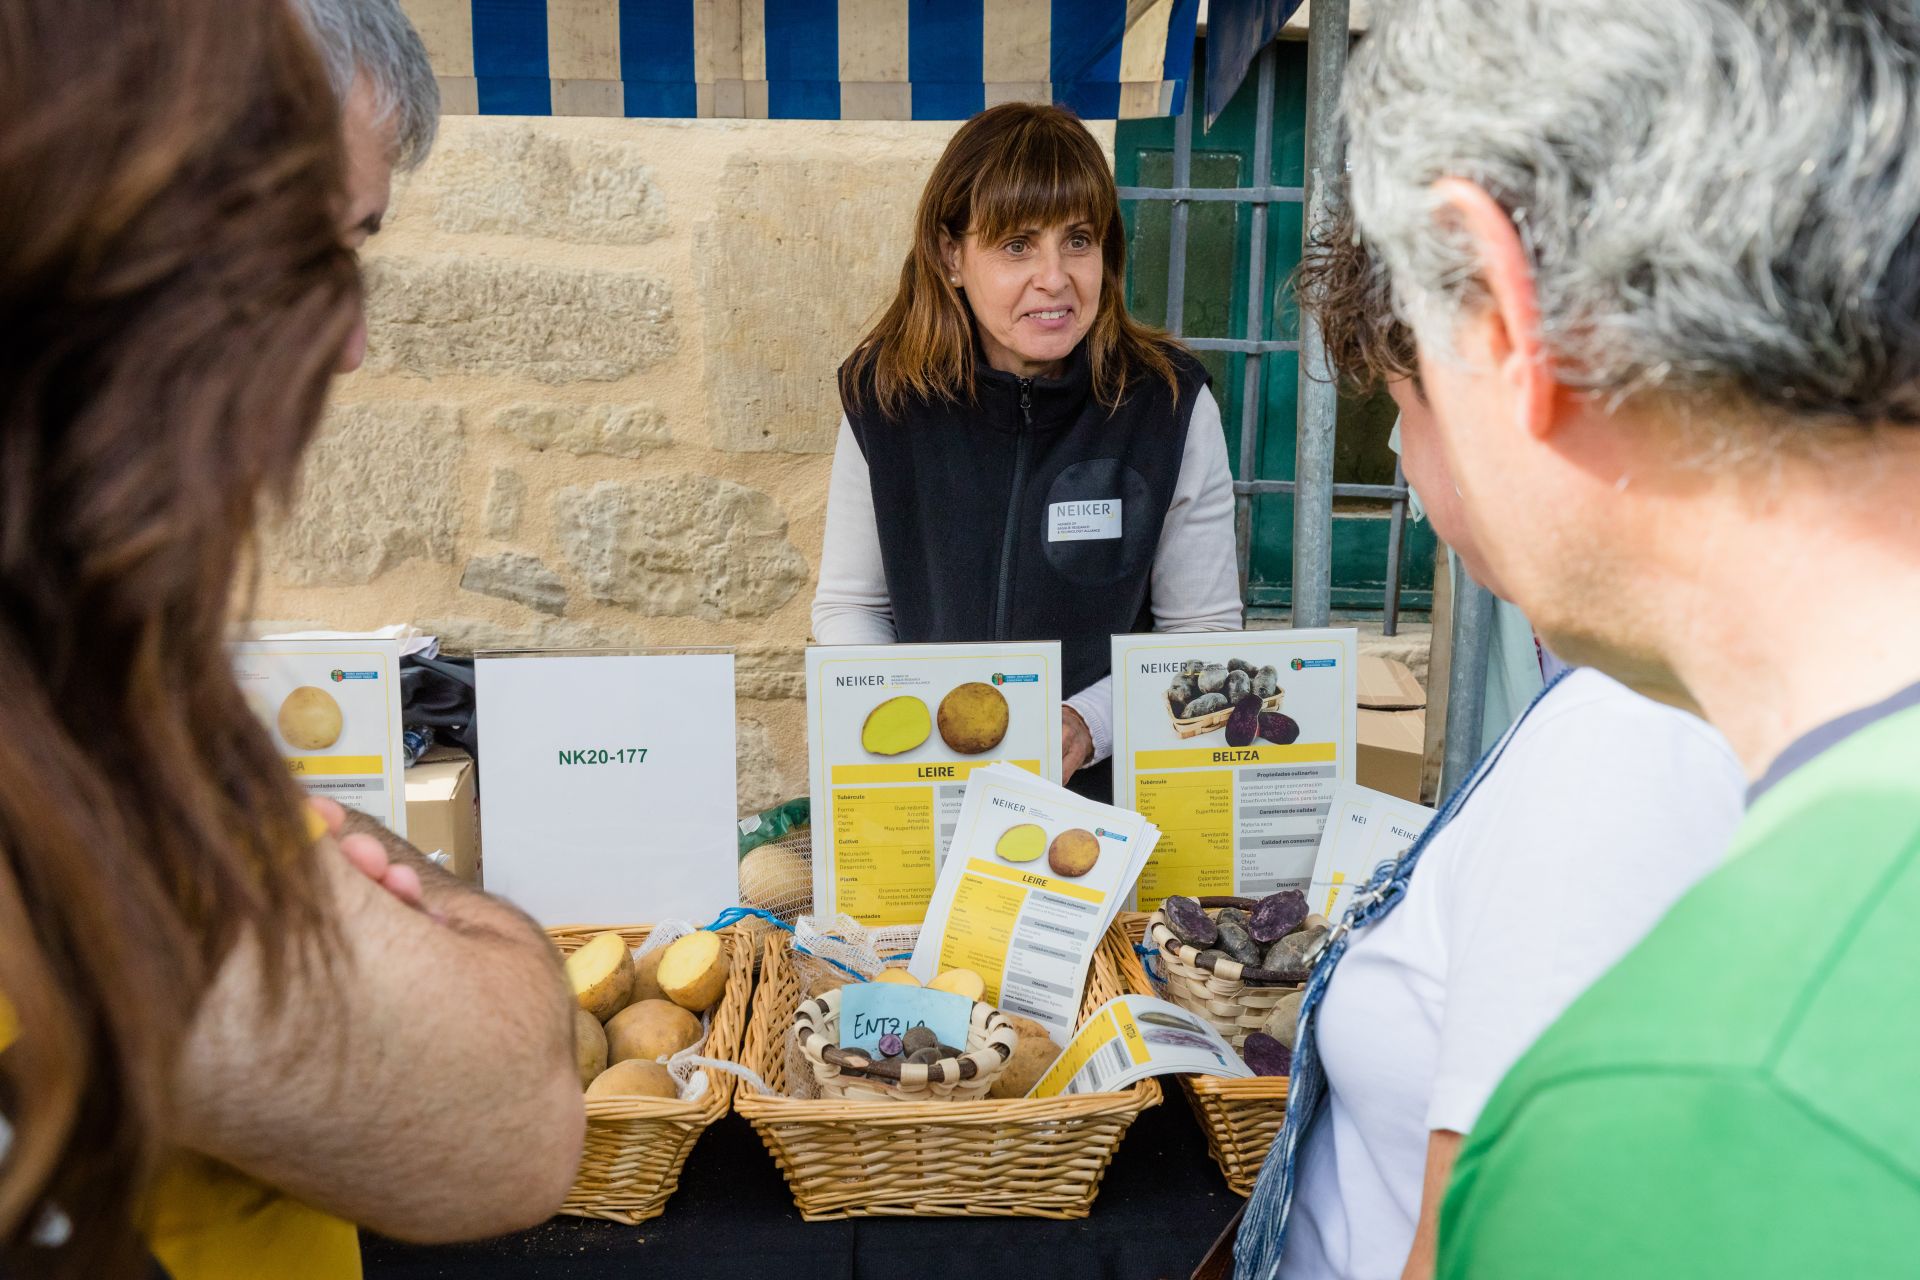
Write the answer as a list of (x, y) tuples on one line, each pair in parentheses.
[(1034, 876), (1364, 829), (1132, 1037)]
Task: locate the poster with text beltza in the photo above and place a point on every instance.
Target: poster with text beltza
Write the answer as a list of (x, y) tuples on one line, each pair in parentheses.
[(608, 784), (893, 733), (333, 710), (1234, 744)]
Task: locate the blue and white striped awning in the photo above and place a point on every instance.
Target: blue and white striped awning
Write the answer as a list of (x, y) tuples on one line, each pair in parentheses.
[(808, 59)]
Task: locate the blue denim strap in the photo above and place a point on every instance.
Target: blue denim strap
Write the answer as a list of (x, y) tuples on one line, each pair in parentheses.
[(1263, 1229)]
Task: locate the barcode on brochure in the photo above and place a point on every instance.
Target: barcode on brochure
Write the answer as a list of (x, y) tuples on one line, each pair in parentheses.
[(1103, 1066)]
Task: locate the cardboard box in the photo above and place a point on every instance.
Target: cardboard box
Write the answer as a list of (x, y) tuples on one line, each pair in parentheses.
[(1393, 728), (443, 810)]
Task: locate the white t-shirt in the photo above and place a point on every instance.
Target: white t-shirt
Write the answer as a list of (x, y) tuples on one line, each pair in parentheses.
[(1603, 810)]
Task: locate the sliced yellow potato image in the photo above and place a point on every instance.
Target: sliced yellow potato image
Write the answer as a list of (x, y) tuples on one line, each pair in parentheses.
[(1024, 843), (896, 726)]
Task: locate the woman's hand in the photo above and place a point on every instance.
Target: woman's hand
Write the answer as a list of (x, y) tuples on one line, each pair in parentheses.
[(1076, 744)]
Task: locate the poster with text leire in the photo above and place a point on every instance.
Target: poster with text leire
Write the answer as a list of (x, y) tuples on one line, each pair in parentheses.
[(1234, 744), (893, 733)]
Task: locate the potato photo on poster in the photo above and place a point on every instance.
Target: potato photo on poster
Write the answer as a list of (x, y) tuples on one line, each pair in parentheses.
[(310, 719)]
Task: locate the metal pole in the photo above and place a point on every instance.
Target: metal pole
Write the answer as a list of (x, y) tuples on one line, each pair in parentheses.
[(1319, 400), (1467, 683), (1177, 230), (1396, 539), (1250, 394)]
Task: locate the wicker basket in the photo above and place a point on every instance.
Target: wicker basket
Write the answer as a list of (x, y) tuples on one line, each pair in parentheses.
[(1195, 726), (1030, 1158), (1241, 1118), (851, 1075), (1235, 999), (636, 1147)]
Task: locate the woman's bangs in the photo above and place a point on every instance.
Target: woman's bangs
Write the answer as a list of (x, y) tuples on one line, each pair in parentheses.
[(1036, 187)]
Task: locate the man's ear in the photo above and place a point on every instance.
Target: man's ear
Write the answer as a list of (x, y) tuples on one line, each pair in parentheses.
[(1507, 333)]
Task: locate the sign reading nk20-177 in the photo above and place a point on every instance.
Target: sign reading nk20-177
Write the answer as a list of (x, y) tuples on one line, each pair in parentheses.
[(605, 796)]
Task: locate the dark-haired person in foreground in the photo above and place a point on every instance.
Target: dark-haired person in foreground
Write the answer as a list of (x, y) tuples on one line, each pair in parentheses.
[(221, 1045), (1661, 259)]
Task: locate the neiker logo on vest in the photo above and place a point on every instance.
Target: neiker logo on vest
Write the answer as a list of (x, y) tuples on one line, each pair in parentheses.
[(1086, 521)]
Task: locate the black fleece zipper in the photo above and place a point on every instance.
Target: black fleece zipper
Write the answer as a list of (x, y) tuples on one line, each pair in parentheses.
[(1003, 607)]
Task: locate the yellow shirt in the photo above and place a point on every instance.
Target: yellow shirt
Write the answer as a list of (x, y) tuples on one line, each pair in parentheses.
[(205, 1221)]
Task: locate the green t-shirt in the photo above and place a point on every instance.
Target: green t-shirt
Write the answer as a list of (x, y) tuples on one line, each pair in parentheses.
[(1740, 1096)]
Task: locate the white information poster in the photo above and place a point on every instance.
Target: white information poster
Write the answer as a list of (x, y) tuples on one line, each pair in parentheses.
[(893, 733), (1036, 876), (1233, 743), (1366, 828), (333, 708), (607, 784)]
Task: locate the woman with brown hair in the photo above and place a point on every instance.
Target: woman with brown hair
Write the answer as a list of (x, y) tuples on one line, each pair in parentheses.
[(205, 1011), (1021, 459)]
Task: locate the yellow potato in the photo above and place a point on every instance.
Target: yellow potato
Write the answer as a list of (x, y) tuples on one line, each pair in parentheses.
[(693, 972), (1031, 1057), (633, 1078), (776, 880), (589, 1046), (896, 726), (973, 718), (600, 974), (1024, 843), (646, 983), (310, 719), (649, 1030), (899, 977), (961, 982), (1073, 852)]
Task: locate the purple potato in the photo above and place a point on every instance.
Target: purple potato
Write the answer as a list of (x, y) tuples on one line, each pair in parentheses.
[(1267, 1056), (1277, 915), (1279, 728), (1288, 958), (1238, 943), (918, 1038), (1240, 664), (1239, 685), (1183, 690), (1243, 724), (1189, 921), (1236, 914), (1213, 678), (1205, 705), (891, 1046), (1266, 682)]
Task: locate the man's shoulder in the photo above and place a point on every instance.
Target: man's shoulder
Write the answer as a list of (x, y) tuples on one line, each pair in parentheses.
[(1792, 963)]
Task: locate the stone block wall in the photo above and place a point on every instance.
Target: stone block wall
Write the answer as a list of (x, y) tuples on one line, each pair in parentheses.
[(598, 405)]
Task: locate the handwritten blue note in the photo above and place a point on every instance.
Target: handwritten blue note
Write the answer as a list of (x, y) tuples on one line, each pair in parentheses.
[(869, 1010)]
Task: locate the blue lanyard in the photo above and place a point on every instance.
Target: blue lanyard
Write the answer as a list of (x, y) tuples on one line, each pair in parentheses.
[(1263, 1229)]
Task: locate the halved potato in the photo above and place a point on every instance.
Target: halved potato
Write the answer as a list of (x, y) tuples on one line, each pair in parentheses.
[(600, 974), (896, 726), (693, 972), (1024, 843)]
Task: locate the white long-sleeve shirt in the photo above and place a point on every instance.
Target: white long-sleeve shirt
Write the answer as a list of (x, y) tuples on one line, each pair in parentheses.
[(1196, 585)]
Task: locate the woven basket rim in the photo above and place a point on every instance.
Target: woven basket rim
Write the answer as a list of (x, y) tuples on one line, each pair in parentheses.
[(1250, 1089), (1161, 936), (1001, 1038), (764, 1039)]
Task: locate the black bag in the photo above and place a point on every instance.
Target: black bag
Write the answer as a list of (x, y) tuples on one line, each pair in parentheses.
[(437, 693)]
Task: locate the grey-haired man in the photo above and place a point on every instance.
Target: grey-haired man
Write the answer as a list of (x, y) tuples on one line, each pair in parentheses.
[(1662, 263)]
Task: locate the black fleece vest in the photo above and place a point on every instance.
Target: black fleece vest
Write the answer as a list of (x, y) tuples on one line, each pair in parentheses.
[(964, 495)]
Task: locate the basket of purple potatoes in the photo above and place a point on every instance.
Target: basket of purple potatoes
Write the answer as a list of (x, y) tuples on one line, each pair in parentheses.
[(1235, 961)]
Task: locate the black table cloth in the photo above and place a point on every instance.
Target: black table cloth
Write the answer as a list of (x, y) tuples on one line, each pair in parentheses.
[(1161, 1206)]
